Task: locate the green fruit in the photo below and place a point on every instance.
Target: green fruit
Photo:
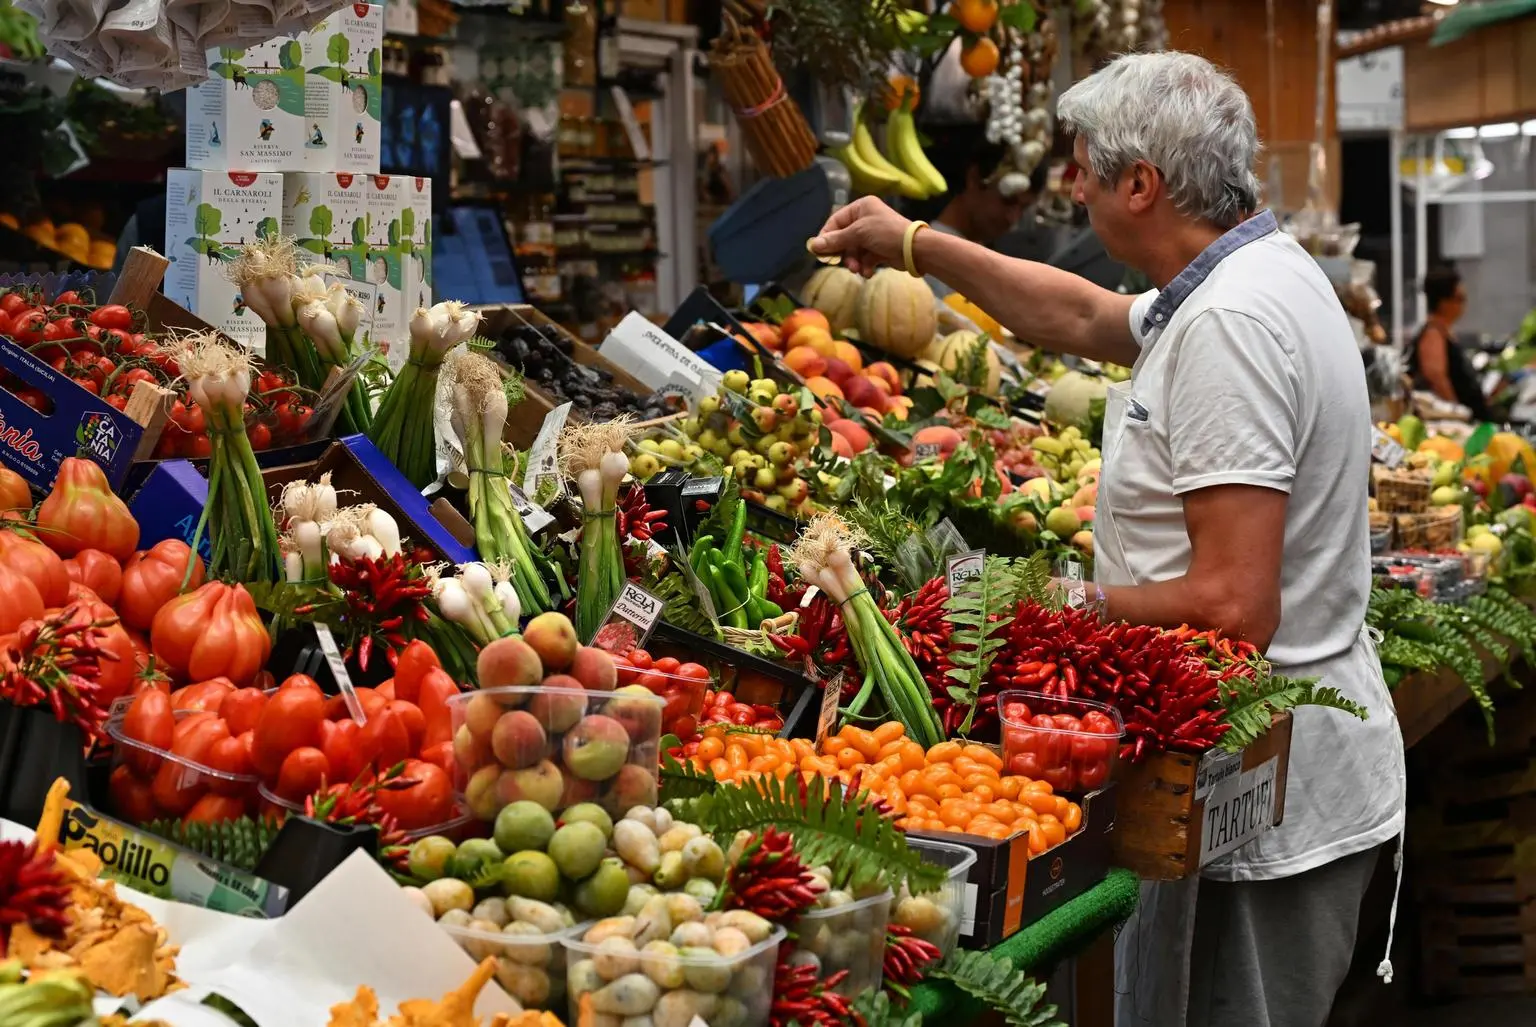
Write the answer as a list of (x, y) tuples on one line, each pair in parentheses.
[(471, 857), (523, 824), (592, 813), (1063, 521), (577, 848), (429, 857), (736, 381), (672, 449), (533, 875), (649, 446), (605, 892), (645, 465)]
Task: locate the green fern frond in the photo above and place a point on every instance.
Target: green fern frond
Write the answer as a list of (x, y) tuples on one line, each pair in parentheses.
[(1035, 584), (1250, 705), (874, 1008), (682, 782), (997, 983), (976, 637), (864, 849)]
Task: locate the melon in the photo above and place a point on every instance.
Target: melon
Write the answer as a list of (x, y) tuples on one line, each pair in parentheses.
[(1071, 398), (950, 351), (835, 292), (896, 313)]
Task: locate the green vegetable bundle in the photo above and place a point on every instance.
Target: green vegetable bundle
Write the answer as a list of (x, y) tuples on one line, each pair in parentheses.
[(736, 577)]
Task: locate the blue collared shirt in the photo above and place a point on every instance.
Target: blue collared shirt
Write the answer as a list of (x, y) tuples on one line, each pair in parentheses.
[(1187, 281)]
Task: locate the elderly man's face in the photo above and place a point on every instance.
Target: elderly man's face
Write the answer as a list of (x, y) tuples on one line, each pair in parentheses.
[(1106, 204)]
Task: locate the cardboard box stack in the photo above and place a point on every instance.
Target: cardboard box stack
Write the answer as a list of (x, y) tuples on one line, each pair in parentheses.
[(285, 136)]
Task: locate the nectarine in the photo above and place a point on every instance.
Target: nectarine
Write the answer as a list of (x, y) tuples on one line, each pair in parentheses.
[(849, 354), (822, 388), (805, 362), (802, 317), (884, 370), (858, 438)]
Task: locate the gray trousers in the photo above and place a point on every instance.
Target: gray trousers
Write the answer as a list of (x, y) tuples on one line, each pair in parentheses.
[(1249, 954)]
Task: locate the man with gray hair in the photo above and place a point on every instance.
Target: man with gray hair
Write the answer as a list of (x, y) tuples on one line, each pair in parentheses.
[(1234, 497)]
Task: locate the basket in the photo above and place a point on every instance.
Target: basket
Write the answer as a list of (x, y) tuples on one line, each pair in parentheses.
[(1401, 492), (1433, 531), (777, 135)]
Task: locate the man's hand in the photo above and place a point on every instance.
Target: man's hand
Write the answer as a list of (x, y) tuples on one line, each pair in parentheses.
[(865, 233)]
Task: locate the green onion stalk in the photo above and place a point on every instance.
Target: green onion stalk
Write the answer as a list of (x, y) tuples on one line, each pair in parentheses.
[(402, 427), (593, 455), (481, 397), (266, 273), (328, 316), (823, 554), (480, 599), (236, 515), (307, 509)]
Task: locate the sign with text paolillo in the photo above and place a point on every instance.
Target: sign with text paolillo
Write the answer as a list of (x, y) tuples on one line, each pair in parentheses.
[(1238, 809), (653, 356)]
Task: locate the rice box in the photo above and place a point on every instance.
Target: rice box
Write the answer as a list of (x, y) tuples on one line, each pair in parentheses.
[(250, 113), (321, 210), (343, 58), (209, 216), (385, 203), (416, 243)]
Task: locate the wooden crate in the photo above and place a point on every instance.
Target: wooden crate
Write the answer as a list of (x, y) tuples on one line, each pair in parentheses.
[(1160, 825)]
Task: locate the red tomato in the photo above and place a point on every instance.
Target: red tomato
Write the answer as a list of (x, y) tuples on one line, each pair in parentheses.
[(114, 316), (67, 298), (260, 436), (208, 696), (133, 799), (1016, 711), (437, 687), (1025, 763), (384, 740), (212, 809), (639, 659), (415, 723), (177, 787), (29, 329), (1088, 749), (415, 660), (626, 670), (12, 302), (427, 802), (1092, 775), (687, 726), (304, 771), (1099, 723), (653, 681), (229, 756), (290, 720), (370, 699), (1059, 778), (241, 709), (339, 740), (693, 671), (440, 755), (97, 570), (194, 743), (298, 681), (1067, 722), (149, 720), (666, 665)]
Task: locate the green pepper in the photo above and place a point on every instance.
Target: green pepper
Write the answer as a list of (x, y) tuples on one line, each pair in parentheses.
[(732, 548), (733, 608), (757, 581), (769, 609), (696, 554)]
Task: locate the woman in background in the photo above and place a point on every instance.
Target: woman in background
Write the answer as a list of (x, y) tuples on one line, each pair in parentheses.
[(1435, 360)]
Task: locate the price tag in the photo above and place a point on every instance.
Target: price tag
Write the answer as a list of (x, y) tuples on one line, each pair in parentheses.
[(339, 672), (535, 517), (831, 696), (637, 607), (1071, 571), (1386, 449), (964, 567), (1215, 767), (926, 450), (1237, 810), (810, 593), (544, 454)]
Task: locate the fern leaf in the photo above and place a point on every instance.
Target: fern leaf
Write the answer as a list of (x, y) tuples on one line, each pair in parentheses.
[(972, 645), (997, 983), (864, 849), (1250, 705), (681, 781), (1035, 584), (874, 1008)]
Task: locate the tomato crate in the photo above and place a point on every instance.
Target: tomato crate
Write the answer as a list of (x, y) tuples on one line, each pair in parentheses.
[(1168, 827)]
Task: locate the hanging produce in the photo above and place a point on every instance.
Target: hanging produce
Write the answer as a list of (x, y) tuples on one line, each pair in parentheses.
[(403, 425), (777, 135)]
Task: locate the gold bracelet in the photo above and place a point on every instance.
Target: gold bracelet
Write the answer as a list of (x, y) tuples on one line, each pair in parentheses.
[(906, 247)]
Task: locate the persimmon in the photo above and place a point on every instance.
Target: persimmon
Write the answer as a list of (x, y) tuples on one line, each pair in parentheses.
[(980, 58), (976, 16)]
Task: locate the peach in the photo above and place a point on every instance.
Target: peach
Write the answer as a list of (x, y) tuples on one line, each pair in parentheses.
[(805, 362), (766, 335), (818, 339), (945, 437), (596, 748), (841, 446), (858, 391), (802, 317), (469, 752), (901, 406), (883, 369), (558, 712), (480, 792), (1086, 495), (518, 739), (871, 413), (1085, 514), (577, 790), (641, 715), (632, 786), (595, 669), (849, 354), (541, 783), (858, 438), (553, 637), (837, 371), (481, 714), (509, 661), (822, 388)]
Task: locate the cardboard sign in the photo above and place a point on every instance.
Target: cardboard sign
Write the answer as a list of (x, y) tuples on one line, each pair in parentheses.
[(34, 444), (636, 607), (544, 454), (1239, 808), (964, 567), (535, 517), (653, 356), (831, 696), (1385, 449)]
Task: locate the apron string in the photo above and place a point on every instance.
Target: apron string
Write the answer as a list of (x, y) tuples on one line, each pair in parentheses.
[(1384, 969)]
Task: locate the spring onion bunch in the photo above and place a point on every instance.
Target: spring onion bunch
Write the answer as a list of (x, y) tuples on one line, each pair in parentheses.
[(359, 532), (402, 426), (237, 514), (824, 556), (307, 510), (328, 317), (265, 272), (593, 455), (480, 399), (480, 599)]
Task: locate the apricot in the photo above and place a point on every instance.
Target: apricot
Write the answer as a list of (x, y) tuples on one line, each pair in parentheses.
[(805, 362), (849, 354), (802, 317), (553, 637), (518, 739), (509, 661)]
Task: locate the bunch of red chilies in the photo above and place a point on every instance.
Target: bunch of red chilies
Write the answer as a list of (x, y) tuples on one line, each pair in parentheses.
[(53, 664), (356, 804), (637, 522), (32, 892), (383, 594), (1159, 680)]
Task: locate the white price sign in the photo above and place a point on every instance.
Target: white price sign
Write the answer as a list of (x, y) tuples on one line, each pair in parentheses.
[(1238, 809), (1385, 448), (926, 450), (544, 454), (636, 605), (654, 357), (338, 667), (964, 567), (535, 517)]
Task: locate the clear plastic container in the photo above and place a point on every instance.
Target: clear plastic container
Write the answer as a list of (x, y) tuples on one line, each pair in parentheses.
[(149, 783), (935, 916), (684, 693), (555, 747), (529, 967), (1068, 753), (456, 828), (850, 936), (731, 991)]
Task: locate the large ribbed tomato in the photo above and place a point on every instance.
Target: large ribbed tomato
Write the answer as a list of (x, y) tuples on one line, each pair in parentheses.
[(14, 494), (38, 564), (212, 632), (19, 600), (98, 571), (81, 512), (152, 578), (118, 666)]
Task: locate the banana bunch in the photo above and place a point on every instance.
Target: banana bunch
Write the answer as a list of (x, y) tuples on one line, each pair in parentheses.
[(907, 171), (1064, 454), (911, 22), (51, 1000)]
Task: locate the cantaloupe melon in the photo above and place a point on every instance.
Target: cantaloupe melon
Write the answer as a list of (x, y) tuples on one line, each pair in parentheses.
[(896, 313), (835, 292), (950, 351)]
